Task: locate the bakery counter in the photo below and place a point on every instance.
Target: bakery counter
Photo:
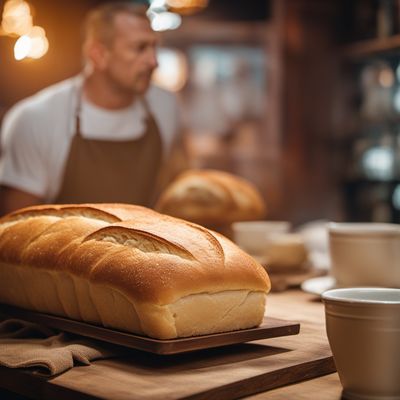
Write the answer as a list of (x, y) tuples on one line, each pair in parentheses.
[(279, 368)]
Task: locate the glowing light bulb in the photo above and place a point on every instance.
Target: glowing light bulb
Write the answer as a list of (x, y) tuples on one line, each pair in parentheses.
[(16, 7), (39, 42), (22, 47), (165, 20), (172, 70), (17, 18), (187, 7), (39, 47)]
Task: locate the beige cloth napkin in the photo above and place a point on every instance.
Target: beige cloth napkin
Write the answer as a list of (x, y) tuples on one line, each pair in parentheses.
[(27, 345)]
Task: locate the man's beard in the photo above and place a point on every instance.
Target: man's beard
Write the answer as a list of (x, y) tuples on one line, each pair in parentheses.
[(136, 86), (143, 82)]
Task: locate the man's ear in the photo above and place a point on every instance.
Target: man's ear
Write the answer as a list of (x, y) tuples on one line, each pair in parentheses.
[(98, 54)]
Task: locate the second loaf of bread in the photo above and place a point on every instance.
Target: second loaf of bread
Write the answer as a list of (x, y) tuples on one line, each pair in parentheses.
[(129, 268), (212, 198)]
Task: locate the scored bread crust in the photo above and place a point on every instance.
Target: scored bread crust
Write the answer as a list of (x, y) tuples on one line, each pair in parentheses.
[(211, 197), (129, 268)]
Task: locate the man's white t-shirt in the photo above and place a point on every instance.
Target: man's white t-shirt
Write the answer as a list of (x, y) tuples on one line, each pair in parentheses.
[(37, 133)]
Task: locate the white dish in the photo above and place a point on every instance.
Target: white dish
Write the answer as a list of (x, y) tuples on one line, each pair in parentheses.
[(254, 236), (362, 229), (318, 285)]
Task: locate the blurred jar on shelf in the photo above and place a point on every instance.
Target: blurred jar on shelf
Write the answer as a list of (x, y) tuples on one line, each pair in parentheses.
[(377, 87), (387, 18), (378, 161), (396, 95), (396, 148)]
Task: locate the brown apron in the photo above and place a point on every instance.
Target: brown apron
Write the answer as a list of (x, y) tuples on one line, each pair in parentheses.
[(105, 171)]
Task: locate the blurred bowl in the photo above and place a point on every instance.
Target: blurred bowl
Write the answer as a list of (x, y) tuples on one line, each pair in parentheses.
[(285, 251), (254, 236)]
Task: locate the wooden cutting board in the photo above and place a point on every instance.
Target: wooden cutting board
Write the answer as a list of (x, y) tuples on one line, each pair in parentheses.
[(223, 373), (269, 328)]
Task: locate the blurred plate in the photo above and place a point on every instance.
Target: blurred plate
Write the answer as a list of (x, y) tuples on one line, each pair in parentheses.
[(318, 285)]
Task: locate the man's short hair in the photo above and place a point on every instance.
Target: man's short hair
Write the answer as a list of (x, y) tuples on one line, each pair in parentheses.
[(99, 24)]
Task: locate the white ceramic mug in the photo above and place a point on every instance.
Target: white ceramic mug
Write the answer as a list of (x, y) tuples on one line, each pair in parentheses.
[(363, 327), (365, 254)]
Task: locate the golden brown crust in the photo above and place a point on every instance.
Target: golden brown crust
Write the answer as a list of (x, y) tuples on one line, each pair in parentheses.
[(211, 197), (151, 258), (61, 211)]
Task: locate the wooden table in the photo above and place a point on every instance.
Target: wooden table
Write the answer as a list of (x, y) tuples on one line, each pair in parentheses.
[(246, 370), (327, 387)]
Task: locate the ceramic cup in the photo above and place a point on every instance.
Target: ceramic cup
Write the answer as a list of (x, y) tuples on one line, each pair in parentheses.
[(363, 327), (254, 236), (365, 254)]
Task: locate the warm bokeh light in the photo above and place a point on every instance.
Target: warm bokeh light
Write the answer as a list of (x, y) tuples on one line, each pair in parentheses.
[(17, 18), (386, 77), (39, 47), (165, 20), (396, 197), (187, 6), (16, 7), (40, 44), (378, 163), (158, 5), (172, 70), (187, 3), (33, 45), (22, 47)]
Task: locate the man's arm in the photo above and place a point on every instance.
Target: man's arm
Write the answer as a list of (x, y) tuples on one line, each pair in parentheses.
[(24, 158), (12, 199)]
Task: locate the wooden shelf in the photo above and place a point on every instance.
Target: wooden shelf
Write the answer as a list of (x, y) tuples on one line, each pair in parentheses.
[(197, 30), (368, 48), (370, 181), (357, 128)]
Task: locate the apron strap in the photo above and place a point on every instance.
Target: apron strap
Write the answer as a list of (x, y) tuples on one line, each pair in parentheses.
[(78, 111)]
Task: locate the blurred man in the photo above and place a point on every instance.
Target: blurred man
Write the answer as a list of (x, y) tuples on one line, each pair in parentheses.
[(104, 136)]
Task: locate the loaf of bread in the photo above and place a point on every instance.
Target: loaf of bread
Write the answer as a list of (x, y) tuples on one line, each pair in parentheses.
[(211, 198), (128, 268)]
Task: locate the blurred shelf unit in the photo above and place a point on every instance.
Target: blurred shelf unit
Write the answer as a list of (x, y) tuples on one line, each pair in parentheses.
[(368, 135), (372, 200), (360, 127)]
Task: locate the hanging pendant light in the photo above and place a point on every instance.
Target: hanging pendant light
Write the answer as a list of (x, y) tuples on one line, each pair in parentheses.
[(186, 7)]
